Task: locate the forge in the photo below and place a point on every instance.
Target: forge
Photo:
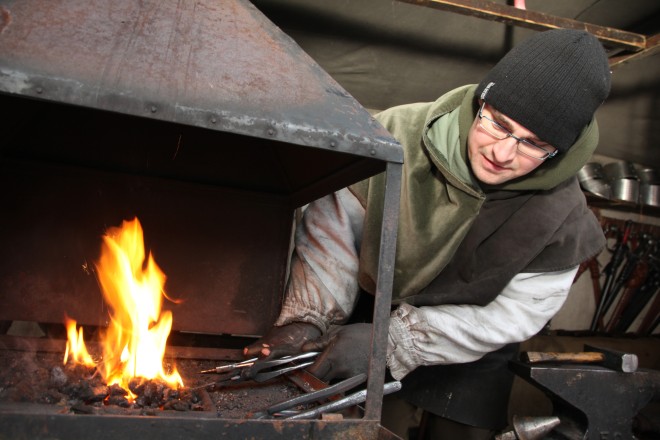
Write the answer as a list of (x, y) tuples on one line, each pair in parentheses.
[(211, 126)]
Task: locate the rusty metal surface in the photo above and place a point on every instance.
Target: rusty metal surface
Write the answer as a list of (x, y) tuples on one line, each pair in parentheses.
[(52, 345), (507, 14), (23, 421), (165, 92), (224, 252), (215, 65), (592, 402), (383, 301), (194, 117), (31, 420)]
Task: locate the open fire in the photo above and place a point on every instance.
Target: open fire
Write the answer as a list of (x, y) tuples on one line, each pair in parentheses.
[(122, 368), (133, 345)]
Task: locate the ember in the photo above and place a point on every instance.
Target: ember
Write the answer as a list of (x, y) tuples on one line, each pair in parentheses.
[(40, 378), (87, 392)]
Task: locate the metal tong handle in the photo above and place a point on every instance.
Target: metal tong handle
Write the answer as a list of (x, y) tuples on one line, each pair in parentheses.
[(353, 399), (267, 375), (229, 367), (314, 396), (255, 371)]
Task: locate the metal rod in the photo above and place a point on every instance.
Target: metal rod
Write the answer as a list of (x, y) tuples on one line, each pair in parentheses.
[(314, 396), (539, 21), (348, 401), (229, 367), (383, 297)]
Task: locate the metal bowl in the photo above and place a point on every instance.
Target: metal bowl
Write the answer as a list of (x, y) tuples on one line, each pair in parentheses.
[(620, 170), (649, 194), (626, 190), (591, 170), (648, 175), (597, 187)]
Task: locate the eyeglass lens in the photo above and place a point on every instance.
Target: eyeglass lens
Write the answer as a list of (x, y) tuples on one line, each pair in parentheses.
[(524, 146)]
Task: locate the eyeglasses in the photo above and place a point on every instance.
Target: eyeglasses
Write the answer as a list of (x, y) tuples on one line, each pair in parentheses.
[(524, 146)]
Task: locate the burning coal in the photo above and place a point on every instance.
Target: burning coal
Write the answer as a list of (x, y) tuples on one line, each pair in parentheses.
[(134, 343)]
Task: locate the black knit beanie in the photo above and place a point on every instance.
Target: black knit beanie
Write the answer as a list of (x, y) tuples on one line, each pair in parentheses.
[(551, 84)]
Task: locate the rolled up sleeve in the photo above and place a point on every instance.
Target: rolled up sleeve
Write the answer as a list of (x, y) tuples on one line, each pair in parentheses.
[(450, 334)]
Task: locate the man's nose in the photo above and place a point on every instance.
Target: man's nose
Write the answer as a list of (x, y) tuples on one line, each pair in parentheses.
[(505, 150)]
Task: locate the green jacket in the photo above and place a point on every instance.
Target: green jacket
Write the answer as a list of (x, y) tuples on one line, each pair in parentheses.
[(440, 198)]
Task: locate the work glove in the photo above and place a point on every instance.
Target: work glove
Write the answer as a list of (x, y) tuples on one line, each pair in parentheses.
[(345, 352), (283, 341)]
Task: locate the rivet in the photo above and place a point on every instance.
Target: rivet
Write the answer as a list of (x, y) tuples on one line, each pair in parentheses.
[(40, 90), (333, 144), (153, 109), (271, 132), (373, 152), (213, 120)]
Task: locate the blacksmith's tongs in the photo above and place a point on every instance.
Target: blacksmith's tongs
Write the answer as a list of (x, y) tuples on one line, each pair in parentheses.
[(260, 370)]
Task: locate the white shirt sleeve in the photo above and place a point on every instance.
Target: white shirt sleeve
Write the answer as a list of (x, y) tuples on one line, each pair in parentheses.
[(450, 334), (323, 286)]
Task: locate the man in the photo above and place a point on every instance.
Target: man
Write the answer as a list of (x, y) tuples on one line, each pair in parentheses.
[(492, 228)]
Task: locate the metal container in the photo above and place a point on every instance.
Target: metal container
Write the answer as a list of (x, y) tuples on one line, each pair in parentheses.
[(620, 170), (648, 175), (649, 187), (649, 194), (593, 180), (626, 190), (591, 171)]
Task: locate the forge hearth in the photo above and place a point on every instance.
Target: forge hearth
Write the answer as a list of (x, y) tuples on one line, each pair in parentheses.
[(40, 398), (40, 378), (211, 126)]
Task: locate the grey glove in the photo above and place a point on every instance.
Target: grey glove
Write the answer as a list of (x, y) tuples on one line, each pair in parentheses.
[(345, 352), (283, 341)]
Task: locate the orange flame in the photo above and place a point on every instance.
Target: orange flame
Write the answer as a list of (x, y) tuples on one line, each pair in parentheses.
[(134, 343), (76, 345)]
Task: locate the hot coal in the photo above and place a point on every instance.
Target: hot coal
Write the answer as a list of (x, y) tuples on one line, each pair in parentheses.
[(80, 386), (39, 377)]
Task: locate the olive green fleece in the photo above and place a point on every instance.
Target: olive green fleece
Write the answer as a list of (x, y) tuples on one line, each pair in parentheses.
[(440, 198)]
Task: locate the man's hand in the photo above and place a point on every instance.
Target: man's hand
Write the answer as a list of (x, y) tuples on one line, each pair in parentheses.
[(345, 352), (283, 341)]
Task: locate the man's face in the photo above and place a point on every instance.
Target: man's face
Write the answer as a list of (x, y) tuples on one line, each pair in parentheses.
[(495, 161)]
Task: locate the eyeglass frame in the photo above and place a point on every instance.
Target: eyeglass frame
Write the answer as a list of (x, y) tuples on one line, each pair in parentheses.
[(508, 134)]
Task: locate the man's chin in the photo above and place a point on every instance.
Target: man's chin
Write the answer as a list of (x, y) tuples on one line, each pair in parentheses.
[(491, 178)]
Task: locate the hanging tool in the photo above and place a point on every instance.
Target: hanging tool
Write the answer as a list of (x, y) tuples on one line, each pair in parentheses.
[(642, 295), (610, 271), (648, 323), (262, 370), (654, 326), (631, 258), (632, 275)]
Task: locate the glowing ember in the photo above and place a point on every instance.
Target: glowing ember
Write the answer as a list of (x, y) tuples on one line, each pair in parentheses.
[(134, 343)]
